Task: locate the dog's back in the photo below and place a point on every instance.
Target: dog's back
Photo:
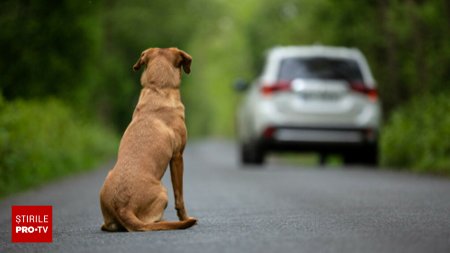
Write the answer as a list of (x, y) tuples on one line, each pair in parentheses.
[(132, 196)]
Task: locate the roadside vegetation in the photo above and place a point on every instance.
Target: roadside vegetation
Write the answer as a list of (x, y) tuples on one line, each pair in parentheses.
[(417, 136), (68, 66), (44, 140)]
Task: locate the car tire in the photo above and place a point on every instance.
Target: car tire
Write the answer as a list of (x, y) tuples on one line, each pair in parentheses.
[(252, 154)]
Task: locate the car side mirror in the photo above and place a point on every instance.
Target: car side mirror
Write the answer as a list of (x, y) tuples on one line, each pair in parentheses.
[(240, 85)]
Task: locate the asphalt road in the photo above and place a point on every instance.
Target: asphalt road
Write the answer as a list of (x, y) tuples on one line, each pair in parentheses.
[(279, 208)]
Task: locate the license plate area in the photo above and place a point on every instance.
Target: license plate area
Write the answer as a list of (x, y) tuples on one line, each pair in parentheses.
[(322, 96)]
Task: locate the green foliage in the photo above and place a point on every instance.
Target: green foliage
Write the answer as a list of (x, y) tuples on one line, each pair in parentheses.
[(207, 92), (416, 136), (47, 48), (43, 140), (82, 52)]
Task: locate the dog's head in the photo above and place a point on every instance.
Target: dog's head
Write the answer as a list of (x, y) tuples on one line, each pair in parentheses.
[(177, 57)]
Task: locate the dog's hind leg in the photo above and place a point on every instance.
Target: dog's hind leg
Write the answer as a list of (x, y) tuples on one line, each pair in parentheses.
[(132, 223), (113, 227), (155, 211), (111, 224)]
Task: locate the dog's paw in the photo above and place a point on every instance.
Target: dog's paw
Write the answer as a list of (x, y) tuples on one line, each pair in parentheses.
[(193, 220)]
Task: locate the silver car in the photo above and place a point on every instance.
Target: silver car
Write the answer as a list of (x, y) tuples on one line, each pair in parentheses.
[(311, 98)]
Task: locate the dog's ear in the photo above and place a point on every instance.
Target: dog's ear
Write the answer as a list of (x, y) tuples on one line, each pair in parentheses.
[(143, 59), (139, 62), (185, 61)]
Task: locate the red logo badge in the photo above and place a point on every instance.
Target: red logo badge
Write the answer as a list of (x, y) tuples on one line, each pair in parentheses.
[(31, 224)]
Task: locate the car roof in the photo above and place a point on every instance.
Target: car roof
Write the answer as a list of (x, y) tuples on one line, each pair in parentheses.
[(276, 54)]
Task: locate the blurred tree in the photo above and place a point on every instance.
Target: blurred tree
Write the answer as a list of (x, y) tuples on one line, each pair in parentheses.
[(47, 48), (83, 50)]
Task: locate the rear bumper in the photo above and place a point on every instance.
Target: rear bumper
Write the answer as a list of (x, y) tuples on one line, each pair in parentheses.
[(317, 139)]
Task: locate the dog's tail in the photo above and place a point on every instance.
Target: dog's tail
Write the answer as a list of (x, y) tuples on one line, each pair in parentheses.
[(133, 223)]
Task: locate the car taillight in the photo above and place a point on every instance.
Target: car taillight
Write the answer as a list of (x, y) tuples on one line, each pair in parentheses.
[(269, 132), (269, 89), (371, 93)]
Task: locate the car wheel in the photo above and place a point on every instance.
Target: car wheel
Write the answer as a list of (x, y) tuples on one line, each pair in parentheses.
[(252, 154)]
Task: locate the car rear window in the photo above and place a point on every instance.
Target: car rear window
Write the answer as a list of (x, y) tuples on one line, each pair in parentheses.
[(320, 68)]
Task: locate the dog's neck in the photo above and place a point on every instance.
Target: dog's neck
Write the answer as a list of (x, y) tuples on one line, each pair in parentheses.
[(170, 94), (154, 98), (161, 74)]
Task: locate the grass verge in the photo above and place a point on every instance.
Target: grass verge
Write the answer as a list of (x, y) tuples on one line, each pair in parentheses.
[(44, 140), (417, 136)]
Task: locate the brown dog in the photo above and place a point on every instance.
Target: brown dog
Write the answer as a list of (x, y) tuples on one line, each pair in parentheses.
[(133, 197)]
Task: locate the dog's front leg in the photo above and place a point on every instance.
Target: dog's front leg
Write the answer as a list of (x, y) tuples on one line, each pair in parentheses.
[(176, 173)]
